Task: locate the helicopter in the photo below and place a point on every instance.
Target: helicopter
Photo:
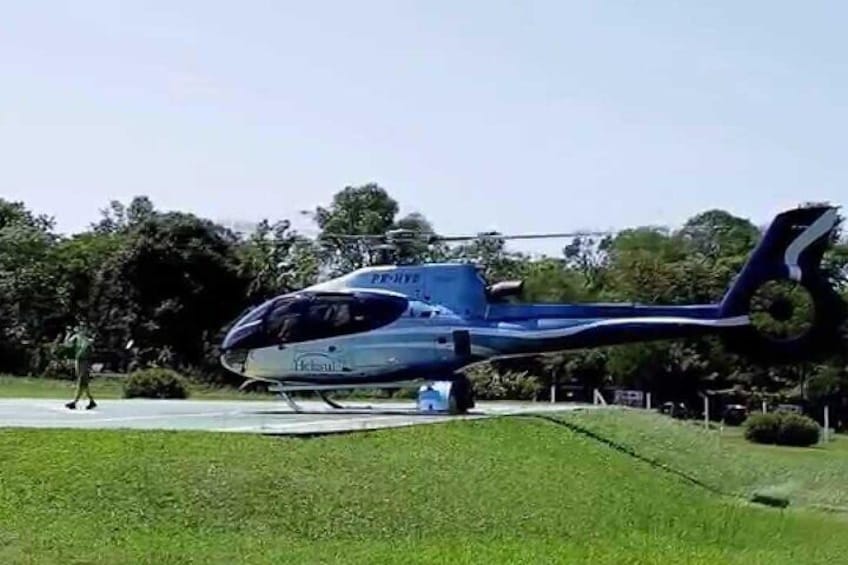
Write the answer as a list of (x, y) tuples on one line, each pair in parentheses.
[(402, 325)]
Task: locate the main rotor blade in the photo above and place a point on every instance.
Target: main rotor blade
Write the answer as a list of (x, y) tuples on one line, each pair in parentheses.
[(350, 236), (432, 238), (521, 236)]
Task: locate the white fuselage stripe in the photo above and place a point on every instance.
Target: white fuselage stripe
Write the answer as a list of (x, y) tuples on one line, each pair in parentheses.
[(555, 332)]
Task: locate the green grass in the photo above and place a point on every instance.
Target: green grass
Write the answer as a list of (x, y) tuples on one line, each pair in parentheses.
[(814, 477), (111, 386), (108, 387), (513, 490)]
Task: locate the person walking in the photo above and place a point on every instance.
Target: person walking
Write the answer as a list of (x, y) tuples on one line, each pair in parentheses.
[(81, 341)]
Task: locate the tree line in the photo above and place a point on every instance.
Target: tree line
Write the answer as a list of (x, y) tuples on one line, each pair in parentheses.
[(159, 288)]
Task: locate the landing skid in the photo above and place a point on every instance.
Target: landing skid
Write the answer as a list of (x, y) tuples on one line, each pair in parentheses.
[(283, 391), (296, 407), (457, 405), (290, 401), (330, 402)]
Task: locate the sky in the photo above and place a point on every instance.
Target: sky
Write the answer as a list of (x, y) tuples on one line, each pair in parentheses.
[(482, 115)]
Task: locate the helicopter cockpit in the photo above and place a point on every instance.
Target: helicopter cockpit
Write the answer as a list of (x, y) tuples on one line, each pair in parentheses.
[(307, 316)]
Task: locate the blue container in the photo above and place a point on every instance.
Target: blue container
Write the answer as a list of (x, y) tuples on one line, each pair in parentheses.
[(434, 397)]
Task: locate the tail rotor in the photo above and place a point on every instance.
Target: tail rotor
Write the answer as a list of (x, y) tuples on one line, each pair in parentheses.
[(794, 310)]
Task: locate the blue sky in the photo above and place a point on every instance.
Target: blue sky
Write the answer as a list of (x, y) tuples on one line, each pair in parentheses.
[(516, 116)]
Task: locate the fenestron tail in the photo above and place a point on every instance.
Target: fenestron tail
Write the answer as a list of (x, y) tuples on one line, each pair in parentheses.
[(789, 254)]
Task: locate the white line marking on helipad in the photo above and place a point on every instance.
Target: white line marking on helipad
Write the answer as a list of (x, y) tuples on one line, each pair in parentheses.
[(350, 424), (270, 417), (166, 416), (298, 425)]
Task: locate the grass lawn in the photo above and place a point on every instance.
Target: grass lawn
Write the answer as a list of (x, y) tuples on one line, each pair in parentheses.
[(108, 387), (815, 476), (500, 490), (111, 386)]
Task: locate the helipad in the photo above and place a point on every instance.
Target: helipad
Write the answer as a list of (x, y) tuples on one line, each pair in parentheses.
[(263, 417)]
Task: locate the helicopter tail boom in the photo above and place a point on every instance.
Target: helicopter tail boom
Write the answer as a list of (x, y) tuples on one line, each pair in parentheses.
[(790, 251)]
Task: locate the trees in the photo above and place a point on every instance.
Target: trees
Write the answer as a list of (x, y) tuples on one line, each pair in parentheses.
[(172, 286), (416, 250), (717, 233), (275, 259), (171, 282), (368, 210), (356, 210), (32, 300)]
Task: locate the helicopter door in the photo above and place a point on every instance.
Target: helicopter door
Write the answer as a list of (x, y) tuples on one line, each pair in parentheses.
[(325, 318), (462, 344)]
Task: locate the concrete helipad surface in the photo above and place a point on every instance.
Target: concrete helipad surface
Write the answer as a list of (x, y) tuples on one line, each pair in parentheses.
[(271, 417)]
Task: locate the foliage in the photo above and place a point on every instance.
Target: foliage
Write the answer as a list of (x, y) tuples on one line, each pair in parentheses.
[(716, 233), (550, 280), (782, 428), (490, 384), (156, 383), (762, 428), (168, 283), (275, 259), (175, 280), (418, 250), (31, 296), (361, 210)]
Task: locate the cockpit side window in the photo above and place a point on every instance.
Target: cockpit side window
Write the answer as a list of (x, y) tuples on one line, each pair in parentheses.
[(326, 318), (282, 322), (319, 316)]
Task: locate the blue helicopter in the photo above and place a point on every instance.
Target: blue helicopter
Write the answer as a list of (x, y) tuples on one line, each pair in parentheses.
[(389, 326)]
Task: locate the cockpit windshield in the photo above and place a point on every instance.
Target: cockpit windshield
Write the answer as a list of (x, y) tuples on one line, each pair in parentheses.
[(254, 313)]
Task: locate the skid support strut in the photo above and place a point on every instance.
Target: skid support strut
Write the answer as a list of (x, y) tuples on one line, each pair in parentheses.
[(292, 404)]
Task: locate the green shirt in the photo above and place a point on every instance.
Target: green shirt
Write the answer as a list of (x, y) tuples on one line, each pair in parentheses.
[(81, 344)]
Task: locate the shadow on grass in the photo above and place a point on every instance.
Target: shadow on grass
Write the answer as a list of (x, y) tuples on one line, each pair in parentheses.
[(621, 448)]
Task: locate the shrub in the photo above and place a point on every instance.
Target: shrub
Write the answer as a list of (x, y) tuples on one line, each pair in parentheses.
[(490, 384), (798, 430), (53, 361), (59, 369), (156, 383), (762, 428), (782, 428)]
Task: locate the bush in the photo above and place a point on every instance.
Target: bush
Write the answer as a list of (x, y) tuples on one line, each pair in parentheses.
[(762, 428), (59, 369), (782, 428), (52, 361), (798, 430), (156, 383), (490, 384)]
